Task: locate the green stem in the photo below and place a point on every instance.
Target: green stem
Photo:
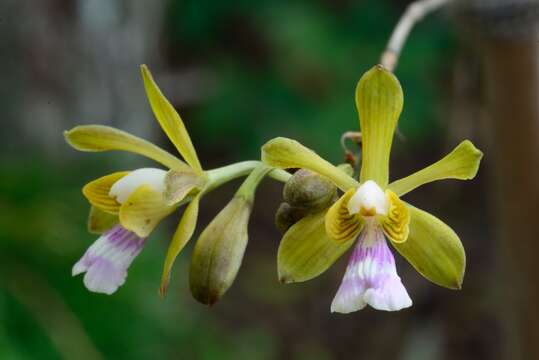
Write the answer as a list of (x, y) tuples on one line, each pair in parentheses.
[(248, 188), (280, 175), (222, 175)]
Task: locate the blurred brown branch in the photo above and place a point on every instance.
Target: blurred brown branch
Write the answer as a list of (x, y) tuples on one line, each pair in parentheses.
[(506, 34)]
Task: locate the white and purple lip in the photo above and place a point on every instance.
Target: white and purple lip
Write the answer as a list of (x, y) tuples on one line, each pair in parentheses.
[(106, 261)]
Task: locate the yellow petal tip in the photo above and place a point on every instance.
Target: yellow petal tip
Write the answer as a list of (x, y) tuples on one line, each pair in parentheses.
[(163, 288), (68, 138), (475, 156), (285, 280), (144, 70)]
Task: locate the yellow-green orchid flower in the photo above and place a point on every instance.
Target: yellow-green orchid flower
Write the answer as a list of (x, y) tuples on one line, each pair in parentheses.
[(128, 205), (371, 211)]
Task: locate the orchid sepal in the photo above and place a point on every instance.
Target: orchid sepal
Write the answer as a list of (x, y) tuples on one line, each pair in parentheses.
[(379, 101), (306, 251), (100, 221), (97, 192), (286, 153), (98, 138), (170, 120), (434, 250), (183, 234), (462, 164)]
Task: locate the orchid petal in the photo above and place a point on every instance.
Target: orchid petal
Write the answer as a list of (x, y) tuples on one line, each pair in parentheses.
[(462, 163), (306, 251), (170, 120), (97, 192), (433, 249), (396, 224), (287, 153), (340, 224), (143, 210), (106, 261), (100, 221), (97, 138), (379, 102), (179, 184), (183, 233), (371, 277)]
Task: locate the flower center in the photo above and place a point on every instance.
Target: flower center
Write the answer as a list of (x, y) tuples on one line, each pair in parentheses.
[(368, 200)]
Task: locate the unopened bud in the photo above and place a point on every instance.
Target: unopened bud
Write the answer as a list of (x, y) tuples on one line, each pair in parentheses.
[(218, 253), (309, 191), (286, 216)]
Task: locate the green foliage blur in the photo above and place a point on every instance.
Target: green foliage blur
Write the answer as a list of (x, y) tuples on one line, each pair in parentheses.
[(281, 68), (291, 68)]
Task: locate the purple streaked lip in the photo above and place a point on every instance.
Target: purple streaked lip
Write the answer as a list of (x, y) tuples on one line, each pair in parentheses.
[(106, 261), (371, 277)]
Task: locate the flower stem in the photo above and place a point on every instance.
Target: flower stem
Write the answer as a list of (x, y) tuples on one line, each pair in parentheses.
[(222, 175), (280, 175), (413, 14), (248, 188)]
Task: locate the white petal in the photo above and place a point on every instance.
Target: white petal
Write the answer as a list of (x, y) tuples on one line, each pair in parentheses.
[(369, 196), (371, 277), (106, 261), (79, 267), (349, 298), (129, 183), (391, 296), (103, 277)]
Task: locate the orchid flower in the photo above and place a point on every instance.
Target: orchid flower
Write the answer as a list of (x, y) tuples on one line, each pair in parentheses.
[(370, 211), (126, 206)]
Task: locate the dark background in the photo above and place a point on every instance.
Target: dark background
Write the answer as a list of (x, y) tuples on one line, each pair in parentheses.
[(241, 73)]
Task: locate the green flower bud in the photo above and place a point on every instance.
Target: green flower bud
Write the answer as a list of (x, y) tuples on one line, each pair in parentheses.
[(219, 252), (308, 190), (286, 216)]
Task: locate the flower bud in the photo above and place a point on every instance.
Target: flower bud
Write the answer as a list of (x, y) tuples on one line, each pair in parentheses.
[(310, 191), (286, 216), (219, 252)]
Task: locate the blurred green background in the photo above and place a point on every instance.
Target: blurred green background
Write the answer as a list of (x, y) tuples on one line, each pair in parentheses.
[(240, 73)]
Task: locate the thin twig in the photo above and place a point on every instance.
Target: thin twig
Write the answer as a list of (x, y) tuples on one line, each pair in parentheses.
[(413, 14), (349, 156)]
